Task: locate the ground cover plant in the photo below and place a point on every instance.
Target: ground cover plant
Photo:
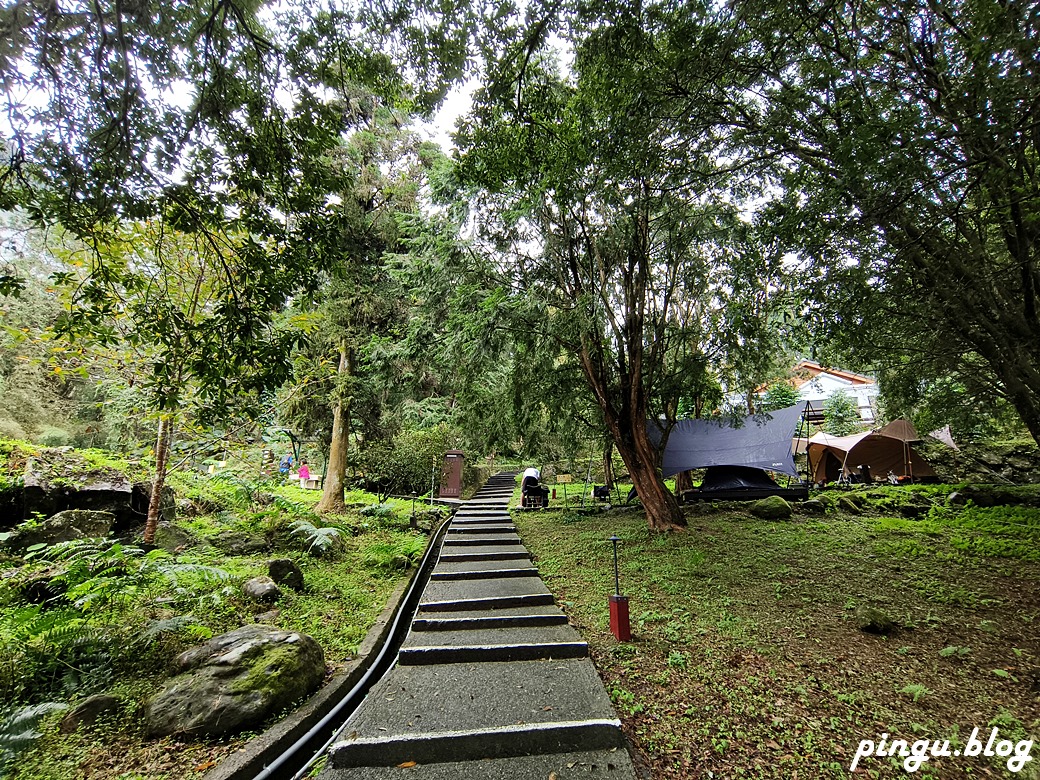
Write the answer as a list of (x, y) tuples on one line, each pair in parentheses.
[(108, 616), (747, 660)]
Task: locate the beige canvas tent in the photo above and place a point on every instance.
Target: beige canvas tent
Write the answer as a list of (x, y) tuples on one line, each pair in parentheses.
[(884, 450)]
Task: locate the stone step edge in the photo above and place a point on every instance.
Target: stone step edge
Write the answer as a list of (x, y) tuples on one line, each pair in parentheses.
[(472, 745), (481, 528), (487, 574), (495, 621), (490, 541), (424, 655), (488, 556), (492, 602)]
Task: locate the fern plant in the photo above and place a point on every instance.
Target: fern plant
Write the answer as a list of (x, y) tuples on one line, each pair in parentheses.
[(18, 730), (402, 553), (320, 539)]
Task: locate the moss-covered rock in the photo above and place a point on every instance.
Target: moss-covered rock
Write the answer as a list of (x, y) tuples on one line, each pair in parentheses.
[(873, 620), (63, 527), (847, 504), (813, 506), (235, 680), (998, 495), (829, 500), (771, 508)]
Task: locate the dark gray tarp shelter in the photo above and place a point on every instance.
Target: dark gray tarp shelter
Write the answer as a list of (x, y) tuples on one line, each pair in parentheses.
[(736, 478), (761, 441)]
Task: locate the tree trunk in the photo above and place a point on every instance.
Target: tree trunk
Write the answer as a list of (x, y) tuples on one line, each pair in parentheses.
[(608, 463), (683, 482), (663, 512), (162, 452), (336, 469)]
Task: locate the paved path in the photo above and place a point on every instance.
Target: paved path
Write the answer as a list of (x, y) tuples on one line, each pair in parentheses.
[(491, 681)]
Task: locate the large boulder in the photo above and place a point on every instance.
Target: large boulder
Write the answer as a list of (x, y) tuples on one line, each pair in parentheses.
[(285, 572), (238, 543), (63, 527), (173, 538), (235, 680), (771, 508), (56, 479)]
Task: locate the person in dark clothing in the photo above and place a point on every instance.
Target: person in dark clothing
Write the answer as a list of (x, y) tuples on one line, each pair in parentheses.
[(533, 494)]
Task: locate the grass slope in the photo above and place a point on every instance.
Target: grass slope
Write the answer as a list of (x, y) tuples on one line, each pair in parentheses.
[(108, 635), (746, 661)]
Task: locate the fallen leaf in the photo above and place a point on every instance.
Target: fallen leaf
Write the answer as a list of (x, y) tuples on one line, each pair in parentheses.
[(205, 765), (406, 764)]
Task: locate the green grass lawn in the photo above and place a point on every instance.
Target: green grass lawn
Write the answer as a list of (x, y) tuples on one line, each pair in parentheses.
[(746, 660)]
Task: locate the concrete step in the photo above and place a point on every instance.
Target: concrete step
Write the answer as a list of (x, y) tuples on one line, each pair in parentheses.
[(489, 566), (456, 654), (491, 620), (472, 711), (503, 643), (481, 528), (490, 602), (483, 574), (471, 589), (506, 611), (486, 540), (486, 554), (607, 764)]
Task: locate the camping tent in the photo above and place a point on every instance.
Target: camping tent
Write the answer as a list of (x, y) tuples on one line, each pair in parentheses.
[(761, 441), (736, 453), (884, 450)]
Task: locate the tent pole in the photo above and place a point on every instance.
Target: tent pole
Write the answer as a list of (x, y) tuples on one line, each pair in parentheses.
[(808, 457)]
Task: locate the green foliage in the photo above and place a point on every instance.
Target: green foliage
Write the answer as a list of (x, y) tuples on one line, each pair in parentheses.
[(319, 539), (18, 730), (779, 395), (407, 464), (841, 414), (49, 436), (403, 553), (378, 510)]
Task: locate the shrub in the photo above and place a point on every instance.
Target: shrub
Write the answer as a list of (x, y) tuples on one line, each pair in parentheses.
[(10, 429), (51, 436)]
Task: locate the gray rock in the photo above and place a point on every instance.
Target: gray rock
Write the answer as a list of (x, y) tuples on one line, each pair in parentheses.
[(238, 543), (771, 508), (173, 538), (813, 506), (270, 617), (64, 527), (913, 511), (235, 680), (261, 589), (285, 572), (89, 711), (847, 504), (873, 620)]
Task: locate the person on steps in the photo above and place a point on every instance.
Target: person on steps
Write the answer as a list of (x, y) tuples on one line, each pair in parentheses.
[(532, 493)]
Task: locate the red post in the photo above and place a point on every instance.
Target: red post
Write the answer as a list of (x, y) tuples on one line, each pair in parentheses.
[(619, 622)]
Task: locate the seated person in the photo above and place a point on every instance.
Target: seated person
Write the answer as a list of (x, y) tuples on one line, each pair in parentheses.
[(532, 493)]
